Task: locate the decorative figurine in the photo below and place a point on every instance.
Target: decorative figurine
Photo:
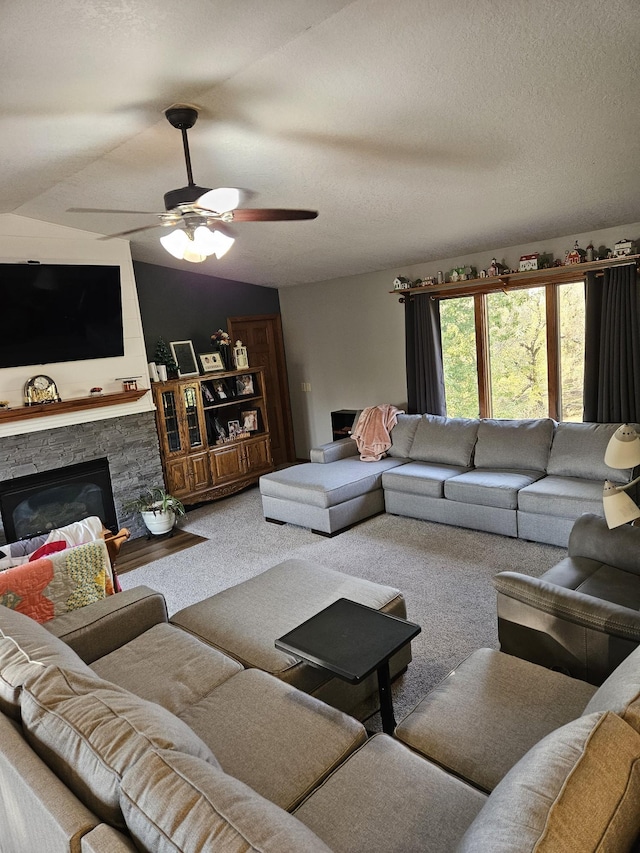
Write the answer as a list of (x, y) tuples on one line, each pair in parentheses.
[(623, 247), (575, 256), (529, 262)]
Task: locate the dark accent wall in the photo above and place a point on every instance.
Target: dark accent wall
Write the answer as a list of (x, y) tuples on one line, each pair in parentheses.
[(179, 305)]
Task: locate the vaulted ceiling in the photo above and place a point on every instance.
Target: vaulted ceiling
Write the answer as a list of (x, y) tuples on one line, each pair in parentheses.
[(419, 129)]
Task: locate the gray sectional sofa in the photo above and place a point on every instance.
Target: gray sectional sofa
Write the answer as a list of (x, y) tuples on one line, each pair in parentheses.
[(524, 478), (199, 754)]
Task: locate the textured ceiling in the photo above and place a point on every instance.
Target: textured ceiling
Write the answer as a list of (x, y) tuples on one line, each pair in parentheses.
[(419, 129)]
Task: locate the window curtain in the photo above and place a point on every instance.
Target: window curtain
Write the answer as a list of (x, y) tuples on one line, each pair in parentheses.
[(425, 375), (612, 347)]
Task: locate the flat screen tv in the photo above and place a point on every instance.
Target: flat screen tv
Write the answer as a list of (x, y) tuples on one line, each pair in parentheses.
[(59, 312)]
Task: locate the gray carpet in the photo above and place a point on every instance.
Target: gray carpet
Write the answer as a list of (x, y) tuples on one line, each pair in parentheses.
[(444, 573)]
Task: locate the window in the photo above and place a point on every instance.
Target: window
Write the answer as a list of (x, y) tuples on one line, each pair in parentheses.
[(515, 353)]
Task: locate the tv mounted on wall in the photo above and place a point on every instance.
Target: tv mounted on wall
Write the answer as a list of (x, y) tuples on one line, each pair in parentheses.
[(59, 312)]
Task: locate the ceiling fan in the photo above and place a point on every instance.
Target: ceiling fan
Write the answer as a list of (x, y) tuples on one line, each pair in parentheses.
[(194, 210)]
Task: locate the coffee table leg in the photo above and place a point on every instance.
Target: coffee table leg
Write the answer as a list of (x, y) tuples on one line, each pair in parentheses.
[(386, 701)]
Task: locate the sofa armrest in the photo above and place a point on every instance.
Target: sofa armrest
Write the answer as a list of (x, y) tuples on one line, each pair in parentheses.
[(105, 839), (99, 628), (590, 537), (570, 605), (334, 450)]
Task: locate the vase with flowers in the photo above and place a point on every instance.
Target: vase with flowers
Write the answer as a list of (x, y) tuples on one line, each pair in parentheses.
[(221, 342)]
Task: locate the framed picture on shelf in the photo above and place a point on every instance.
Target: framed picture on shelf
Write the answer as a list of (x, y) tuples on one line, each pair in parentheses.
[(185, 358), (234, 428), (207, 396), (220, 433), (244, 385), (221, 389), (211, 361), (250, 420)]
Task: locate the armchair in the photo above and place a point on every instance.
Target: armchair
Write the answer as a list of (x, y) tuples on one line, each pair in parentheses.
[(582, 616)]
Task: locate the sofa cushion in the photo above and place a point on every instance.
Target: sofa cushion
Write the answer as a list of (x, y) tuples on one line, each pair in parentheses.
[(387, 799), (523, 445), (620, 692), (577, 789), (446, 440), (164, 652), (578, 451), (272, 736), (420, 478), (176, 803), (489, 712), (402, 435), (61, 582), (496, 488), (25, 649), (89, 731), (568, 497)]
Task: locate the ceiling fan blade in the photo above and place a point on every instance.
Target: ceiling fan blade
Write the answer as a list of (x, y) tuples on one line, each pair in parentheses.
[(220, 200), (106, 210), (271, 214), (130, 231)]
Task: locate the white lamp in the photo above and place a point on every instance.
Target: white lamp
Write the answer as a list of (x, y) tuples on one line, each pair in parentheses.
[(197, 246), (623, 451)]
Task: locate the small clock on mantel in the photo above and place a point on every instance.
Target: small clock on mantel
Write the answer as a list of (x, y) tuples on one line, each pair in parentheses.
[(40, 389)]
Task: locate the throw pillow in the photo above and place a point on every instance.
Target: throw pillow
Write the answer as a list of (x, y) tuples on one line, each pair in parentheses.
[(46, 549), (577, 789), (175, 803), (58, 583), (90, 731), (25, 649)]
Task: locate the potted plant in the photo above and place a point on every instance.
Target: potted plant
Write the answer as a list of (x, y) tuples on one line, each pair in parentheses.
[(157, 508)]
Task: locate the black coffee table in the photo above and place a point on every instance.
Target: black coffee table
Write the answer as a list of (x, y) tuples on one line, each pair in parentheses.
[(352, 641)]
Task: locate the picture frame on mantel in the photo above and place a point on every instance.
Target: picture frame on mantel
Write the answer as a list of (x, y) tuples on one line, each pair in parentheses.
[(185, 358), (211, 361)]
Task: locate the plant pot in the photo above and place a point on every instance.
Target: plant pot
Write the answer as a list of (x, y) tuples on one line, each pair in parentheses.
[(160, 521)]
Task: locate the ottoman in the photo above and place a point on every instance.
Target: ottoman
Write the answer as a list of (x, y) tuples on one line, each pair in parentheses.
[(327, 497), (245, 620)]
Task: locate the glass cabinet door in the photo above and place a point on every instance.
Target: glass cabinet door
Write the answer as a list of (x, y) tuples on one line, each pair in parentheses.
[(190, 402), (171, 422)]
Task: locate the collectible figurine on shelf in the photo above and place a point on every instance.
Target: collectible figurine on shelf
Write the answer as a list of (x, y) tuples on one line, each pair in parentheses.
[(575, 256)]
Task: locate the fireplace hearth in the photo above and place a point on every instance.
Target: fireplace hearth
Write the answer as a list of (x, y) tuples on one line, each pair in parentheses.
[(46, 500)]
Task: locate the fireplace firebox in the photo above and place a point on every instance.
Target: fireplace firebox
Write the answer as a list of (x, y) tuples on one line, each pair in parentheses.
[(46, 500)]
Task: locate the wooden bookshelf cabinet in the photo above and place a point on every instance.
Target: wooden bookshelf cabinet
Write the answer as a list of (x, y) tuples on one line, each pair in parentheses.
[(214, 433)]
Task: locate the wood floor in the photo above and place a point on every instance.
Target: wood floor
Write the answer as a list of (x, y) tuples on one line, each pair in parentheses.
[(139, 552)]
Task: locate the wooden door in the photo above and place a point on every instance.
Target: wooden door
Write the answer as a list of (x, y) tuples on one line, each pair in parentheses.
[(262, 336)]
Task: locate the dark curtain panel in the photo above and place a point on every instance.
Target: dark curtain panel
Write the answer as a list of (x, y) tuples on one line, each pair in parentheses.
[(612, 347), (425, 376)]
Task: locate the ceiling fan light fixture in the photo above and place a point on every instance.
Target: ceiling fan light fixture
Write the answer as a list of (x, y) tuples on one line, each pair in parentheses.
[(196, 248)]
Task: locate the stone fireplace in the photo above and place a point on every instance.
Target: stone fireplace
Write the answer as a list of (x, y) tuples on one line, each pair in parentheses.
[(129, 444)]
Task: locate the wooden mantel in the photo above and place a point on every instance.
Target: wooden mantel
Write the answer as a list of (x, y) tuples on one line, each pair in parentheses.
[(76, 404)]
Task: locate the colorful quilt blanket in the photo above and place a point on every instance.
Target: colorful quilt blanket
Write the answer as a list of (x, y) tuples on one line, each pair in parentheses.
[(59, 582)]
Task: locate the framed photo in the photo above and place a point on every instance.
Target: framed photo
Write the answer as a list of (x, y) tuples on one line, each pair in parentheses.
[(207, 394), (222, 436), (234, 428), (250, 420), (211, 361), (185, 358), (244, 385), (221, 389)]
